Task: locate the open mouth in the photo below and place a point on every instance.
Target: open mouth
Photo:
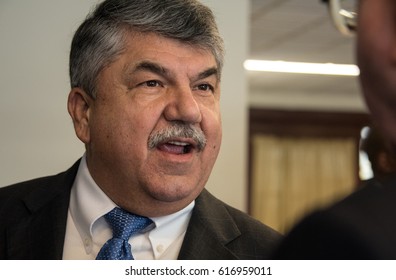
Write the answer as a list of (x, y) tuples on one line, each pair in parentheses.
[(176, 147), (179, 139)]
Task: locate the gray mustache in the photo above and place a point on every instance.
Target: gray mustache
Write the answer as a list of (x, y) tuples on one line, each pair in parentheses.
[(178, 130)]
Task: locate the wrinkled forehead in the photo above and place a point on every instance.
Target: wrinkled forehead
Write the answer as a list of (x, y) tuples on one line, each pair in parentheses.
[(155, 53), (131, 35)]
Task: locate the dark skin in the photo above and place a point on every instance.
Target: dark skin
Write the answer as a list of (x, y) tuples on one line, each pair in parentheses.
[(376, 57)]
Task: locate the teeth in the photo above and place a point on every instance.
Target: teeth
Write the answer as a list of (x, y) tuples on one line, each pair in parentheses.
[(177, 143)]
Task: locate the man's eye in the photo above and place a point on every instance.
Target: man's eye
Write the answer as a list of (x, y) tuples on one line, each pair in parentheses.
[(205, 87), (152, 83)]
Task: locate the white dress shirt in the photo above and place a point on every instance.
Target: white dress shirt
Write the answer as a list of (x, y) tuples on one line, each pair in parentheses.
[(87, 230)]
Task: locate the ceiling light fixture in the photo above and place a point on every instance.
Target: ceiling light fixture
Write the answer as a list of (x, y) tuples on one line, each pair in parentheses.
[(302, 67)]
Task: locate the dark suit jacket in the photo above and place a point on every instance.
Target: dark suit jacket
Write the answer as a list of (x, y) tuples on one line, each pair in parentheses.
[(33, 218), (362, 226)]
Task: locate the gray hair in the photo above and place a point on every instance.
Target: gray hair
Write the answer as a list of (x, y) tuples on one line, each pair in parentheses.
[(101, 37)]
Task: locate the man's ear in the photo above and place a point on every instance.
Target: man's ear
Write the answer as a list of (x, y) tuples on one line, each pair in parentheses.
[(79, 105), (385, 162)]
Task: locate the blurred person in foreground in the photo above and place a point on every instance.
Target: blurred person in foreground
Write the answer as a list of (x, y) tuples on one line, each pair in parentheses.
[(381, 158), (145, 101), (361, 226)]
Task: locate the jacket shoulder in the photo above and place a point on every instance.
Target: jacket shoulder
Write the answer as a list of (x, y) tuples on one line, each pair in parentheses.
[(254, 229), (30, 195), (243, 235)]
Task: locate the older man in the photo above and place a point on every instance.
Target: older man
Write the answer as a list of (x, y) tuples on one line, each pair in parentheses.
[(145, 91)]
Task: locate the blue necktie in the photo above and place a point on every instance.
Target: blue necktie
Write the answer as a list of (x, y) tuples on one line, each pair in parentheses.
[(124, 225)]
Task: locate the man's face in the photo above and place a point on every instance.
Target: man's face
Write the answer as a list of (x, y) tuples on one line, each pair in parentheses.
[(376, 56), (154, 83)]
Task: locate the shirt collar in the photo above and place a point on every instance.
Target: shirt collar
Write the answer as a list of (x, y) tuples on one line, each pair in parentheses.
[(88, 202), (169, 229)]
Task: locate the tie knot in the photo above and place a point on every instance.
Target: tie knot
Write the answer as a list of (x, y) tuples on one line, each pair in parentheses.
[(125, 224)]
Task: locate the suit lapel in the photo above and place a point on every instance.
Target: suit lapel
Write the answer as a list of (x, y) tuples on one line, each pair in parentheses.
[(210, 229), (40, 234)]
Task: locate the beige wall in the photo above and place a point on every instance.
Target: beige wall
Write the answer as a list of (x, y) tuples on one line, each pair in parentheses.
[(37, 137)]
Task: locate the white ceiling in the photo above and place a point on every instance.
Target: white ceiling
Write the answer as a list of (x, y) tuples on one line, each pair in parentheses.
[(300, 30)]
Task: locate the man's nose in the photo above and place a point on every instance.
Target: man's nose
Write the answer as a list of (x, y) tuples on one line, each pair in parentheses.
[(182, 106)]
